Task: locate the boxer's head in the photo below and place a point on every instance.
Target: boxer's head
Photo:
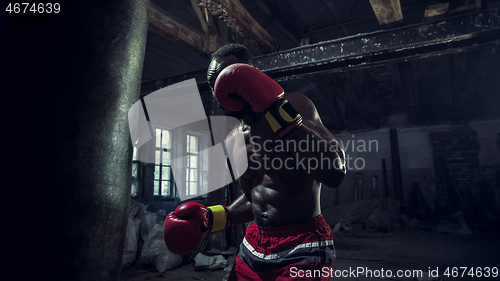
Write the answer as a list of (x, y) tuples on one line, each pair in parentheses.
[(227, 55)]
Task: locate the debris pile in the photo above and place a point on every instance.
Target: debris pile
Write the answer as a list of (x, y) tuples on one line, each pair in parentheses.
[(144, 242)]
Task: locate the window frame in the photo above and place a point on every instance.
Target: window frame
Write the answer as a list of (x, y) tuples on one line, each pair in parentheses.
[(188, 162), (172, 190)]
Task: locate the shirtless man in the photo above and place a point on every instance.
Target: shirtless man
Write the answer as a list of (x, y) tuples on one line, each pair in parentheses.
[(282, 183)]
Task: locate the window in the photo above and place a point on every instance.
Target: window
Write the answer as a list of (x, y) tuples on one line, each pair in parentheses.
[(167, 147), (192, 169), (163, 180)]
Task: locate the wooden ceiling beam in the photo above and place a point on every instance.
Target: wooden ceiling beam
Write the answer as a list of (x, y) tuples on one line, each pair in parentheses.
[(216, 38), (231, 11), (206, 20), (436, 11), (238, 18), (174, 30), (388, 12)]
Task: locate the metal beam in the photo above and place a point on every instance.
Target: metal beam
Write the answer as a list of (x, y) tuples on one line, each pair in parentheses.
[(450, 36), (453, 35)]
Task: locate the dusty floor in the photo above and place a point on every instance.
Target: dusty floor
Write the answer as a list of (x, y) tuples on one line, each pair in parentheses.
[(400, 250)]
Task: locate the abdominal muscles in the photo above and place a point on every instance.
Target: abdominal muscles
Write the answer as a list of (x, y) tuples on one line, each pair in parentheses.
[(278, 201)]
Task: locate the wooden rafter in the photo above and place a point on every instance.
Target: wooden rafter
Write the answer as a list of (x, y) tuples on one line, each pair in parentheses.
[(206, 20), (436, 10), (231, 11), (169, 28), (238, 18), (215, 40), (387, 11)]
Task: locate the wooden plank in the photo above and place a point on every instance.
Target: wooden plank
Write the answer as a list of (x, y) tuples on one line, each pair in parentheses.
[(238, 18), (216, 37), (169, 28), (231, 11), (201, 16), (207, 23), (433, 11), (387, 11)]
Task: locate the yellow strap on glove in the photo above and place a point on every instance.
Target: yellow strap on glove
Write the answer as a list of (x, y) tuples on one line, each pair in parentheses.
[(220, 218), (283, 117)]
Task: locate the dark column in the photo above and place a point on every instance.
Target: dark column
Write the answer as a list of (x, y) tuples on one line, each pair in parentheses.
[(82, 73), (396, 166), (386, 183)]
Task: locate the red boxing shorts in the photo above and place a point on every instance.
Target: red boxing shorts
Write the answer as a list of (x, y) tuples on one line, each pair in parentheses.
[(302, 251)]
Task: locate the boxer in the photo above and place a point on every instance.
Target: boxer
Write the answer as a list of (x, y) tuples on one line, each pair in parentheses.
[(289, 233)]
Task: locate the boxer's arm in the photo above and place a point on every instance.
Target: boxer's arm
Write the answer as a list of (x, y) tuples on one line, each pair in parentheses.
[(312, 125), (241, 209)]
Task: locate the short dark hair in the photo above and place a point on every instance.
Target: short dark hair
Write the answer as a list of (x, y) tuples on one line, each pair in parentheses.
[(239, 51)]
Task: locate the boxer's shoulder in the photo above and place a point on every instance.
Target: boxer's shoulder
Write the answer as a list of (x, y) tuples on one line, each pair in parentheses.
[(302, 104)]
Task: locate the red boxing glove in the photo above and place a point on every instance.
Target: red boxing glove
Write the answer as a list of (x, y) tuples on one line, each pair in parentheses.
[(240, 83), (189, 223), (249, 84)]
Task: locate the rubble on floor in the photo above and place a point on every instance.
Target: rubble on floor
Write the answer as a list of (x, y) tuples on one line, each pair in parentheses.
[(456, 225), (204, 262), (144, 245), (384, 215), (374, 214), (144, 242)]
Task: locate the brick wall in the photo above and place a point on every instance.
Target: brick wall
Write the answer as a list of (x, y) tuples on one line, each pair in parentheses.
[(458, 148)]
